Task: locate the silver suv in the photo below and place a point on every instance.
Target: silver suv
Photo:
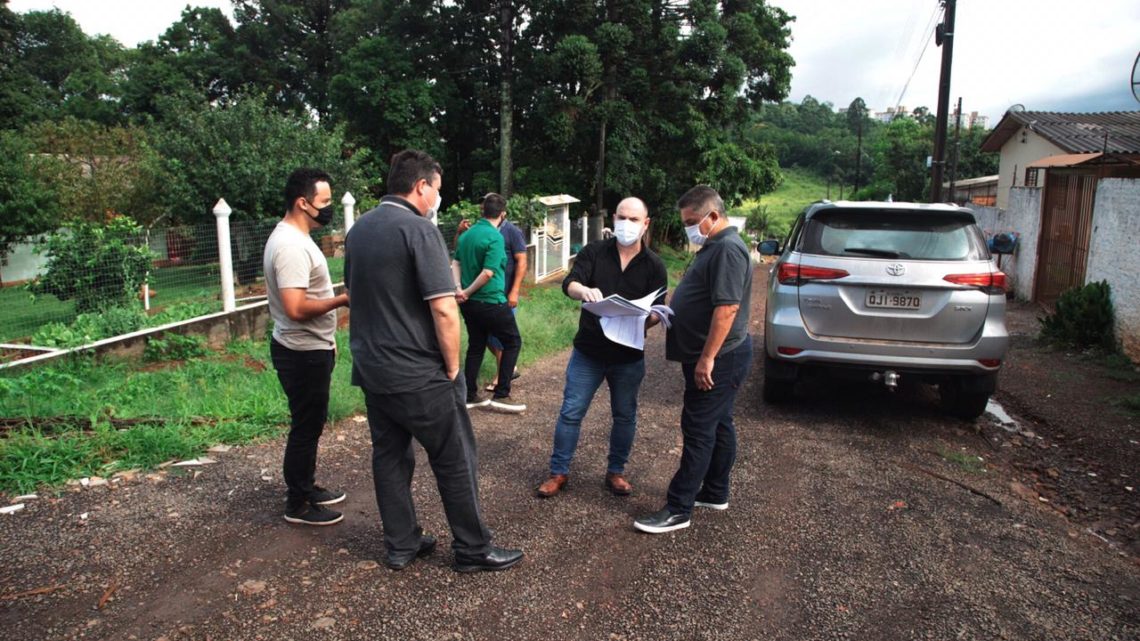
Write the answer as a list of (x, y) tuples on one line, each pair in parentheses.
[(885, 291)]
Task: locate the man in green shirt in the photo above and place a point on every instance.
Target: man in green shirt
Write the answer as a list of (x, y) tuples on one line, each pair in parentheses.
[(479, 266)]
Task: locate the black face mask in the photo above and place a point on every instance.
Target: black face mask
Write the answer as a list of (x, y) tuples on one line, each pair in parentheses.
[(325, 215)]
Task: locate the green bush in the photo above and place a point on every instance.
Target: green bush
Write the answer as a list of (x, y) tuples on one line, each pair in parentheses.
[(99, 265), (1083, 318), (88, 328), (175, 347)]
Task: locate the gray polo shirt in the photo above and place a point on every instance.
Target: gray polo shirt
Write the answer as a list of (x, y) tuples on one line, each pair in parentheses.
[(293, 260), (720, 274)]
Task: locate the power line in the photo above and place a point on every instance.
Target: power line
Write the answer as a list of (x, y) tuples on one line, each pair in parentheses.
[(928, 36)]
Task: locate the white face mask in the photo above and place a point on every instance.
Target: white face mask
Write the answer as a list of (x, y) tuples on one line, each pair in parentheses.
[(694, 232), (627, 232), (431, 213)]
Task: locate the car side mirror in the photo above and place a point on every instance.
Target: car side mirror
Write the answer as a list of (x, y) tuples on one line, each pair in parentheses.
[(770, 248)]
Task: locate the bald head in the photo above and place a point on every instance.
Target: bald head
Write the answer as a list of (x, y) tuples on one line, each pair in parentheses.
[(631, 219), (632, 208)]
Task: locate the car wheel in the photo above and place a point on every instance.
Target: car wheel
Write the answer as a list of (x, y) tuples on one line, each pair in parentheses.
[(777, 390), (962, 403)]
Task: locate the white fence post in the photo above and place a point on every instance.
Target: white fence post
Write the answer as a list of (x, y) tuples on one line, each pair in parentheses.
[(349, 207), (222, 213), (585, 230)]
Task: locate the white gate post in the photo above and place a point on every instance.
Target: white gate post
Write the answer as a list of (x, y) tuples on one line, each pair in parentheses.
[(539, 254), (349, 207), (585, 230), (222, 213), (566, 236)]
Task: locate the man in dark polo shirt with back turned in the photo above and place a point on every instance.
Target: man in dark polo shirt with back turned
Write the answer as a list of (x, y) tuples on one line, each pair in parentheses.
[(404, 336), (620, 265), (709, 337)]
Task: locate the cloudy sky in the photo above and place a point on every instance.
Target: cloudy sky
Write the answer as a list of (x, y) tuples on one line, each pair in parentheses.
[(1048, 55)]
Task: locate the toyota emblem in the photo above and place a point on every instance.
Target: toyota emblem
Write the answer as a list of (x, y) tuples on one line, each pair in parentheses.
[(896, 269)]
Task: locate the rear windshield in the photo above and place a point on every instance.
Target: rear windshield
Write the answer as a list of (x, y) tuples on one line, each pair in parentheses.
[(915, 236)]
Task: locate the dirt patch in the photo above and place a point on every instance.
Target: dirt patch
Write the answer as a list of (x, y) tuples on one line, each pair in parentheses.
[(1082, 447)]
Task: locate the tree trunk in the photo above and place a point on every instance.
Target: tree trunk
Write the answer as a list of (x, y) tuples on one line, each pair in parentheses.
[(506, 27)]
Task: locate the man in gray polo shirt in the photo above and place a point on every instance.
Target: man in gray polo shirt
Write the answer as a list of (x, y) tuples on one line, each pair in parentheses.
[(303, 347), (709, 337)]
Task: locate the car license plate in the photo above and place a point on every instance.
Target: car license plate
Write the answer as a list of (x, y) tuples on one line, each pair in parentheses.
[(894, 299)]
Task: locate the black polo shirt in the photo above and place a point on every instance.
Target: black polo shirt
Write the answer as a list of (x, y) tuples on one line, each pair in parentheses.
[(598, 265)]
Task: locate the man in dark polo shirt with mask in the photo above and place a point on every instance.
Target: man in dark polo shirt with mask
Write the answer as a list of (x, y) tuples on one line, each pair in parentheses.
[(709, 337), (404, 336)]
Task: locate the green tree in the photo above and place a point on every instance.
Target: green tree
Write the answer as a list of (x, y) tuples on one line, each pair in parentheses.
[(243, 152), (27, 206)]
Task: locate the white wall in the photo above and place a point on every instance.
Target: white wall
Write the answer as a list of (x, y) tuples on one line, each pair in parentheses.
[(1024, 217), (1114, 254), (22, 263), (1015, 156)]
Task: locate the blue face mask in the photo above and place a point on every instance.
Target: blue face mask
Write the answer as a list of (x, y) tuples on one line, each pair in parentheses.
[(627, 232)]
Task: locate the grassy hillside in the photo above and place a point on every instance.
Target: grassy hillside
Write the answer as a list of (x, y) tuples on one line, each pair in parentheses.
[(799, 189)]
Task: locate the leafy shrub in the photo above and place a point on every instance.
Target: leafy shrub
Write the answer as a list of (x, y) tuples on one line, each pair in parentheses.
[(100, 266), (182, 311), (175, 347), (1083, 318), (88, 328)]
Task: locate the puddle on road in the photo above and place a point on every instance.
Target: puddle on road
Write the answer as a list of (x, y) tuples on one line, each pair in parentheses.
[(994, 409)]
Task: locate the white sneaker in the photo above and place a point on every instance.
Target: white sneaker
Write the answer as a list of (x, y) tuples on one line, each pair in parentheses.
[(713, 506), (507, 404), (479, 402)]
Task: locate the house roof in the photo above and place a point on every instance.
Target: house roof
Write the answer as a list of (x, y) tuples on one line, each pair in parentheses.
[(1074, 160), (1074, 133), (974, 182)]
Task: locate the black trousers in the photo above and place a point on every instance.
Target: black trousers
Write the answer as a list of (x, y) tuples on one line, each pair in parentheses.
[(709, 432), (437, 418), (305, 377), (483, 320)]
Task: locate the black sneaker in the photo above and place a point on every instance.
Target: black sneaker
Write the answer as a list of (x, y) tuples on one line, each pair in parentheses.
[(662, 522), (309, 514), (712, 505), (321, 496), (507, 404)]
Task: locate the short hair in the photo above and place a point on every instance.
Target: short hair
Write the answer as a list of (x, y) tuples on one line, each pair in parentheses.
[(409, 167), (493, 205), (702, 198), (303, 183)]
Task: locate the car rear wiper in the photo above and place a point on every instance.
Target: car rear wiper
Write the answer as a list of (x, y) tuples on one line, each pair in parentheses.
[(885, 253)]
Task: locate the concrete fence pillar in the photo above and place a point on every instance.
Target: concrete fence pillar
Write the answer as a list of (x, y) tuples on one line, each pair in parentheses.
[(222, 213), (585, 230), (349, 208)]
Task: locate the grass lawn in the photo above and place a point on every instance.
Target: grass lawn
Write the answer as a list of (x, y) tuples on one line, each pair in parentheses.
[(799, 189)]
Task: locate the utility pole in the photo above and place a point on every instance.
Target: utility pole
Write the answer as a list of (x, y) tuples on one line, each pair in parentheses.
[(858, 156), (944, 37), (506, 108), (957, 145)]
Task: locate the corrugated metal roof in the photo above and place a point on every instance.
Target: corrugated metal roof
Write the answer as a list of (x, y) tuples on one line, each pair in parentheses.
[(1074, 133)]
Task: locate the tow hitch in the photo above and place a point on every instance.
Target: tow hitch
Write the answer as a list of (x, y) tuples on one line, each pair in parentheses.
[(890, 378)]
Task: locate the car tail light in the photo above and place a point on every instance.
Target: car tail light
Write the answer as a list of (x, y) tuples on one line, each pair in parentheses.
[(990, 362), (796, 275), (789, 351), (989, 282)]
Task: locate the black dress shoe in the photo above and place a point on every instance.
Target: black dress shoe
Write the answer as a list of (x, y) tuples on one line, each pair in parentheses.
[(495, 559), (661, 522), (401, 561)]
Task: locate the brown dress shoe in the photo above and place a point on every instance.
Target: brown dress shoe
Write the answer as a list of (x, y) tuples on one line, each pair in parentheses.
[(552, 485), (617, 484)]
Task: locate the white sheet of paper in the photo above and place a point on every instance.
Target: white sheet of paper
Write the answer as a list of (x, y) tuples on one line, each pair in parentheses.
[(625, 330)]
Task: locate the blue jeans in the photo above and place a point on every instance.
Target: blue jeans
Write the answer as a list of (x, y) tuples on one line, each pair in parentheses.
[(583, 377), (708, 432)]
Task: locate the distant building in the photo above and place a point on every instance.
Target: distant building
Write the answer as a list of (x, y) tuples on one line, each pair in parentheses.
[(891, 113)]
